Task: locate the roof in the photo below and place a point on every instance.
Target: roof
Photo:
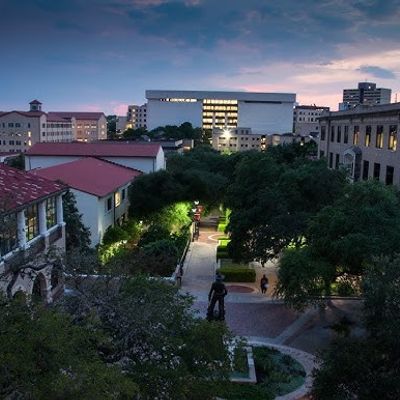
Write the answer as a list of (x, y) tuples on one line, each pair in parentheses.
[(97, 149), (55, 117), (80, 115), (313, 107), (19, 188), (35, 102), (29, 114), (90, 175)]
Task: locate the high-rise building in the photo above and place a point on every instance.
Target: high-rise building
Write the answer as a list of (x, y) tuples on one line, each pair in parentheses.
[(136, 116), (366, 93), (305, 120), (263, 113)]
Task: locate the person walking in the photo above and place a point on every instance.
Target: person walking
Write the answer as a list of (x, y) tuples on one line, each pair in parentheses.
[(217, 294), (264, 284)]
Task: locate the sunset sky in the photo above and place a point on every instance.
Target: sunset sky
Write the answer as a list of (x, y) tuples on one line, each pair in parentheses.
[(103, 54)]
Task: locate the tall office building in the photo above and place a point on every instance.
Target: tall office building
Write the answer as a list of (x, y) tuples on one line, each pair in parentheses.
[(366, 93), (265, 113), (136, 117), (305, 120)]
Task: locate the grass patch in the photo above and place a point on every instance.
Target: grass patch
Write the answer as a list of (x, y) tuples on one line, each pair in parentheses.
[(237, 273)]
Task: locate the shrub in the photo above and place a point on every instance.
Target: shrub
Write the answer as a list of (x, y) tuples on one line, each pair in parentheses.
[(153, 234), (238, 274), (222, 252), (114, 234), (222, 227)]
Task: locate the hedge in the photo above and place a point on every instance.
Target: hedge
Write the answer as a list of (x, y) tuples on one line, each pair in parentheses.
[(222, 226), (238, 274), (222, 252)]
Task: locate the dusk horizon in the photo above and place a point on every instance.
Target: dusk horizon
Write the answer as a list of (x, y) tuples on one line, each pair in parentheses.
[(101, 55)]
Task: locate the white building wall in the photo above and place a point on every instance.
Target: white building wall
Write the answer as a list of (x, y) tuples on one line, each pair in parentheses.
[(32, 162), (266, 118), (161, 113)]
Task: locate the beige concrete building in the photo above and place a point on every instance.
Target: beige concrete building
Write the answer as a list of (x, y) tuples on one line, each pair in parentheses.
[(19, 130), (237, 139), (305, 120), (363, 140), (136, 117)]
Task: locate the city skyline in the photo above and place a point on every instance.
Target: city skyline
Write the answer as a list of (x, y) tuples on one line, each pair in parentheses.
[(101, 55)]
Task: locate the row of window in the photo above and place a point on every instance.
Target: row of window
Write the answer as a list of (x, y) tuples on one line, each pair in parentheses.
[(336, 134), (15, 125), (119, 197), (334, 162), (9, 234)]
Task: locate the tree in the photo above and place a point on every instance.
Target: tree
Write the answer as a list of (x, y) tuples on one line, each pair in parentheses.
[(111, 126), (156, 339), (134, 134), (341, 240), (368, 367), (76, 234), (17, 162), (44, 355)]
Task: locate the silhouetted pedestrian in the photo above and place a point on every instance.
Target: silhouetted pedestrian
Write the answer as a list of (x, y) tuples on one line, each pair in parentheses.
[(264, 284)]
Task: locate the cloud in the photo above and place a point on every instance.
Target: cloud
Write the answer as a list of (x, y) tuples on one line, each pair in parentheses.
[(377, 72)]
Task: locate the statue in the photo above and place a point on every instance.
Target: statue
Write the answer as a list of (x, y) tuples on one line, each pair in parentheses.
[(217, 294)]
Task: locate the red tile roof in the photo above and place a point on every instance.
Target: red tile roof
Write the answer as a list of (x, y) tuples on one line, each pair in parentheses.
[(90, 175), (80, 115), (54, 117), (97, 149), (19, 188), (24, 113)]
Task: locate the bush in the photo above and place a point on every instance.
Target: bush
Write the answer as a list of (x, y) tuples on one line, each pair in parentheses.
[(222, 227), (114, 234), (153, 234), (237, 274), (222, 252), (223, 242)]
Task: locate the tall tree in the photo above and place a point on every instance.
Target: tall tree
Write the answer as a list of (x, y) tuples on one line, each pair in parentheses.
[(77, 235)]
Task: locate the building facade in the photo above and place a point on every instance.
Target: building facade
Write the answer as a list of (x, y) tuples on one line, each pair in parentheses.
[(136, 117), (305, 120), (32, 224), (363, 140), (100, 189), (239, 139), (19, 130), (145, 157), (264, 113), (366, 93)]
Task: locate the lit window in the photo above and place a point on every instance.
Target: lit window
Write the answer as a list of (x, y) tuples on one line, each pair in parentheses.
[(31, 221), (117, 199), (51, 212), (379, 136), (392, 145)]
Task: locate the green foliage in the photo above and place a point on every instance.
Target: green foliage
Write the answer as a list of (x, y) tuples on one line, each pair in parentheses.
[(17, 162), (222, 252), (184, 131), (44, 355), (111, 126), (114, 234), (169, 352), (153, 234), (235, 273), (76, 234), (134, 134), (367, 367), (222, 227)]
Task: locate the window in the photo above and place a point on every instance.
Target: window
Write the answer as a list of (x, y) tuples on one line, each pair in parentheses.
[(332, 134), (356, 135), (321, 153), (323, 132), (31, 222), (123, 194), (8, 234), (339, 134), (368, 131), (330, 160), (346, 134), (389, 175), (365, 170), (377, 170), (392, 144), (117, 199), (379, 137), (109, 204), (11, 125), (51, 212), (337, 161)]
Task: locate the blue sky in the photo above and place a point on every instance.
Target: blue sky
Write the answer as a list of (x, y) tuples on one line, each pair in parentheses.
[(103, 54)]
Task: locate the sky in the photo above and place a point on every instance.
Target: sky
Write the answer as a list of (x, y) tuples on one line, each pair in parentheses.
[(101, 55)]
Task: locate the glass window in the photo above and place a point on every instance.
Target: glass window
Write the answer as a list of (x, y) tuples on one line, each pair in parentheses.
[(339, 134), (123, 194), (389, 175), (330, 160), (346, 134), (117, 199), (379, 136), (356, 135), (332, 133), (31, 222), (377, 170), (109, 204), (8, 233), (365, 170), (51, 212), (392, 144), (368, 131), (337, 161)]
